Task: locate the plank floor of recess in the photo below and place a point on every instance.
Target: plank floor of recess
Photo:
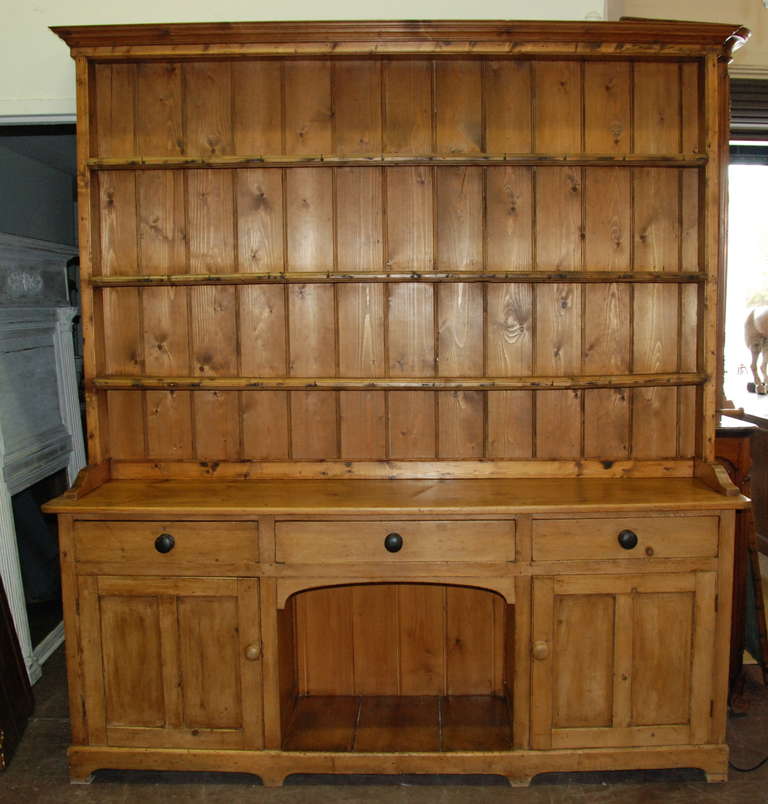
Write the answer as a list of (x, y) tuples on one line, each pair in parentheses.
[(383, 723), (356, 496)]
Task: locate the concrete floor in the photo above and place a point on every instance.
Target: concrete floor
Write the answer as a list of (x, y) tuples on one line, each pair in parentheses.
[(38, 773)]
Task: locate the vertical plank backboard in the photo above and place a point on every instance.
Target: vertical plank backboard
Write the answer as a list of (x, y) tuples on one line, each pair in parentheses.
[(460, 353), (213, 311), (557, 107), (121, 311), (558, 330), (260, 219), (208, 108), (312, 348), (409, 219), (114, 91), (257, 107), (458, 106), (509, 219), (264, 353), (607, 336), (459, 233), (412, 353), (308, 107), (559, 218), (422, 645), (509, 330), (357, 106), (375, 639), (607, 105), (361, 354), (657, 128), (607, 228), (159, 128), (657, 219), (507, 96), (407, 106), (469, 642), (606, 423), (359, 245), (309, 219), (325, 641), (558, 424), (509, 425), (165, 318)]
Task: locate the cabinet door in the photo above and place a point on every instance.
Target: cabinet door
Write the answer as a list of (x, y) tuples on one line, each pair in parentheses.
[(622, 660), (172, 662)]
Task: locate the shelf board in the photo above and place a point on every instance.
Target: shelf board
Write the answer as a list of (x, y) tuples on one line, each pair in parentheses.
[(139, 383), (385, 723), (323, 277), (342, 160)]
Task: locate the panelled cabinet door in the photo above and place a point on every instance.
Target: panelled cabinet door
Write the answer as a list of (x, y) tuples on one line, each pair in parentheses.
[(622, 660), (172, 662)]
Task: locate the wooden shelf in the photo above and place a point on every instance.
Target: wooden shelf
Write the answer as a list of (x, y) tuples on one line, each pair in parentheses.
[(400, 723), (329, 277), (363, 160), (139, 383)]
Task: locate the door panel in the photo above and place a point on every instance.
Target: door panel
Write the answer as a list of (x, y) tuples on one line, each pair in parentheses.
[(209, 662), (584, 661), (178, 664), (132, 658), (622, 660), (661, 684)]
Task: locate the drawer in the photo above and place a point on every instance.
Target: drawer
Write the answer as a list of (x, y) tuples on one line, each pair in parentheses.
[(337, 542), (210, 547), (662, 537)]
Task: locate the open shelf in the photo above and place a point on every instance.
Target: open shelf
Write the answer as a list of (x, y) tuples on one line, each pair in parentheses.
[(384, 723), (363, 160), (393, 667), (326, 277)]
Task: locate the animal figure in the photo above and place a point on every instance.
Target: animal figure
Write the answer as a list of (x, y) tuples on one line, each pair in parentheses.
[(756, 337)]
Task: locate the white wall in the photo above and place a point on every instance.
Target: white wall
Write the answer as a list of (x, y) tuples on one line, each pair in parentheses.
[(37, 76), (750, 61)]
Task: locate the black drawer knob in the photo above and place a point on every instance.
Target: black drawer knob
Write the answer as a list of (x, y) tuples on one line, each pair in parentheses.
[(628, 539), (164, 543), (393, 542)]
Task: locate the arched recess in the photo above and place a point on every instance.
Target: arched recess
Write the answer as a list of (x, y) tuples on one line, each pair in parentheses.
[(287, 587), (400, 637)]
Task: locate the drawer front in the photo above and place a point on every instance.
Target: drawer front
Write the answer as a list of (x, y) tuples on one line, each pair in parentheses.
[(212, 547), (672, 537), (334, 542)]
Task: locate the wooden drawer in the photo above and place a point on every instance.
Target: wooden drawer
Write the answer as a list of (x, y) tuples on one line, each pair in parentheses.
[(216, 548), (334, 542), (662, 537)]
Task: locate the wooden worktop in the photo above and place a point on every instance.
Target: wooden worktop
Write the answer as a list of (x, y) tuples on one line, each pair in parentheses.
[(412, 496)]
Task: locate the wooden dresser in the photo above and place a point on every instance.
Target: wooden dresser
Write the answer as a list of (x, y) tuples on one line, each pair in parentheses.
[(401, 358)]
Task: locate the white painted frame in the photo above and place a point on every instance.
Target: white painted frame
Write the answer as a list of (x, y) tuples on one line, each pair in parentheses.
[(58, 445)]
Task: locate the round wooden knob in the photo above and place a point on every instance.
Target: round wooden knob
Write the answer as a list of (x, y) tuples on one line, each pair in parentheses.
[(253, 651), (393, 542), (164, 543), (540, 651)]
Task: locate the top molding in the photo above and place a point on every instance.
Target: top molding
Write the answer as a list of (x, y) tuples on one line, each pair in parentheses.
[(440, 34)]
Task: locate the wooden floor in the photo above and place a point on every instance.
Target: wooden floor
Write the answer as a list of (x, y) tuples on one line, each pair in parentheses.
[(400, 723)]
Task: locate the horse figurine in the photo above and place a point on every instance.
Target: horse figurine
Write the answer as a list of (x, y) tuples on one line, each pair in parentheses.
[(756, 337)]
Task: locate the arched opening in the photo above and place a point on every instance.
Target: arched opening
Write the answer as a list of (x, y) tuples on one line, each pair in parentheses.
[(396, 667)]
